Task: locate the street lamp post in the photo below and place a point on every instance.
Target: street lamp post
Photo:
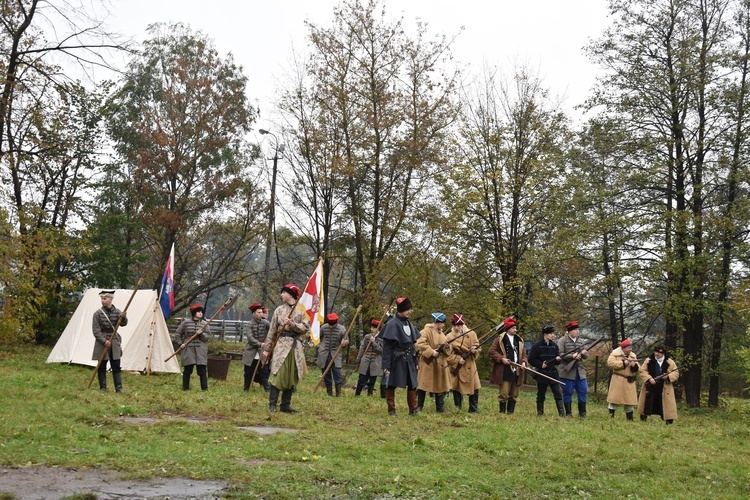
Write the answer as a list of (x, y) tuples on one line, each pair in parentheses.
[(271, 236)]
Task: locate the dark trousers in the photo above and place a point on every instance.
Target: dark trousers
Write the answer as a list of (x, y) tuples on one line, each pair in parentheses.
[(541, 390), (334, 374), (261, 377), (202, 375), (113, 363)]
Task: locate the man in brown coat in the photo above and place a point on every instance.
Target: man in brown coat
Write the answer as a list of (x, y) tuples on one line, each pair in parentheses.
[(463, 360), (622, 390), (658, 374), (506, 348)]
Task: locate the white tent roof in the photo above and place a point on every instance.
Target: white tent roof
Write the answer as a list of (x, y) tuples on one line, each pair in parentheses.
[(145, 339)]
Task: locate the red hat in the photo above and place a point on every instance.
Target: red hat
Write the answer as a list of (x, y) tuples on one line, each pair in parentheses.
[(374, 323), (332, 318), (403, 304), (571, 325), (255, 306), (457, 319), (291, 289), (509, 323), (265, 309), (626, 343), (195, 309)]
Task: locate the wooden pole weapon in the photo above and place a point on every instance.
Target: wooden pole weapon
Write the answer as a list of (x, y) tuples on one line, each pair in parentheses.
[(229, 303), (333, 359), (369, 344), (114, 332)]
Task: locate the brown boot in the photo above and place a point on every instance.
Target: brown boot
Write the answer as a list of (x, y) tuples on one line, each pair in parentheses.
[(411, 398), (390, 399)]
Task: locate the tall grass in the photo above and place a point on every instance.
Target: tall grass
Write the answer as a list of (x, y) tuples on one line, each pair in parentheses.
[(349, 447)]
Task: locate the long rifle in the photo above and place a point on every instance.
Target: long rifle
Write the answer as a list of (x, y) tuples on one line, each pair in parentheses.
[(369, 344), (333, 359), (576, 350), (229, 303), (534, 371), (441, 347), (114, 332), (485, 338)]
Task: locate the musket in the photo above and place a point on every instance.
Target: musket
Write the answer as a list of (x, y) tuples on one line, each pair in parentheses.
[(229, 303), (485, 338), (535, 372), (333, 358), (577, 350), (114, 332), (442, 346), (372, 339)]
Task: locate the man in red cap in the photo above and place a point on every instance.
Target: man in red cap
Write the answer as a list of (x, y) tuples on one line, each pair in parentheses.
[(331, 338), (196, 352), (622, 390), (400, 357), (463, 360), (571, 370), (256, 331), (369, 360), (508, 347), (289, 326)]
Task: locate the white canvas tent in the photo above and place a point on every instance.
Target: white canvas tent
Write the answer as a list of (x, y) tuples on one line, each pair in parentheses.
[(145, 339)]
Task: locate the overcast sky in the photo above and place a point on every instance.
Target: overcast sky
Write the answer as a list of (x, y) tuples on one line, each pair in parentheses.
[(547, 35)]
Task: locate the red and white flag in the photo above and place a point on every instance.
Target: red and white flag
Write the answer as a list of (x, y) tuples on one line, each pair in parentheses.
[(312, 302)]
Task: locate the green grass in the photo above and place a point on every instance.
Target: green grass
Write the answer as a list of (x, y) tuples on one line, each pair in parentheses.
[(349, 447)]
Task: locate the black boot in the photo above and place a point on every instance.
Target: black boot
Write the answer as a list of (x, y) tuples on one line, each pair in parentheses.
[(248, 379), (440, 402), (286, 401), (669, 421), (582, 409), (382, 391), (612, 413), (360, 386), (117, 377), (329, 389), (185, 381), (540, 408), (629, 415), (511, 406), (420, 399), (102, 381), (273, 397), (204, 381), (371, 386), (474, 402), (568, 409), (458, 399), (503, 407), (338, 390), (643, 418), (560, 407)]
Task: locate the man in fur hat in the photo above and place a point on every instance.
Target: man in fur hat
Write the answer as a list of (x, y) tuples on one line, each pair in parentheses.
[(196, 352), (103, 325), (369, 360), (400, 356)]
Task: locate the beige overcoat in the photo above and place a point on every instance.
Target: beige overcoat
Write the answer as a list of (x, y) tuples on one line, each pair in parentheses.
[(435, 375), (668, 400), (466, 378), (622, 389)]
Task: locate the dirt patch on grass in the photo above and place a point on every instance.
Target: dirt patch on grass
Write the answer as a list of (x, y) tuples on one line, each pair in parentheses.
[(32, 483)]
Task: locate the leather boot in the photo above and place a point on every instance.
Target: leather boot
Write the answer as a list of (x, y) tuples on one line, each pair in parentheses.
[(273, 398), (117, 377), (511, 406), (286, 401), (629, 415), (582, 409), (560, 407), (458, 399), (102, 381), (643, 418), (329, 389), (204, 381), (569, 409), (474, 402), (503, 406), (411, 400), (612, 413), (371, 386), (420, 399), (382, 391), (248, 378), (338, 390), (669, 421), (440, 403), (185, 381), (360, 386), (540, 408), (390, 400)]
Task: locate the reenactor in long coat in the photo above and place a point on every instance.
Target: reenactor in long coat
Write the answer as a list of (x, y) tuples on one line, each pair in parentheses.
[(571, 369), (505, 348), (658, 374), (256, 331), (196, 352), (369, 360), (103, 325), (288, 358), (434, 376), (622, 390), (544, 356), (331, 338), (400, 356), (463, 361)]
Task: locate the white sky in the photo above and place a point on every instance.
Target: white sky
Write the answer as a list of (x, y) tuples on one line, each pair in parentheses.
[(547, 35)]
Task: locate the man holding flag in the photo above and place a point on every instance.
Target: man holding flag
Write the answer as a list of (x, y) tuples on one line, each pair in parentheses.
[(313, 302)]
